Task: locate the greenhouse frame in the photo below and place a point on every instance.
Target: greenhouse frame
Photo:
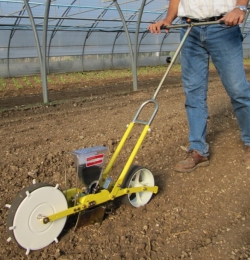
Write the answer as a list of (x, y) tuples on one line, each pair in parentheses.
[(58, 36)]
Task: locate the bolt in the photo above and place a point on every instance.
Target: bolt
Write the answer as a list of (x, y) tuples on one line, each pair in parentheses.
[(45, 220)]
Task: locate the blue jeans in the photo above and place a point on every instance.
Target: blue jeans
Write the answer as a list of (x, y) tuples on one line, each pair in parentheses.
[(224, 45)]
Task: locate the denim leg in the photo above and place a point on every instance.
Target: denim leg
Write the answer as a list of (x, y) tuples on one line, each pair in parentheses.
[(195, 64), (225, 47)]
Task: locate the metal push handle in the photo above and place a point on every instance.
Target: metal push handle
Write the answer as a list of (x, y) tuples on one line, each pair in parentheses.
[(189, 27), (136, 117), (176, 26)]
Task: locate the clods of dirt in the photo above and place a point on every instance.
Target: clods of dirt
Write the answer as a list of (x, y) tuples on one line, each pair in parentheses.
[(204, 214)]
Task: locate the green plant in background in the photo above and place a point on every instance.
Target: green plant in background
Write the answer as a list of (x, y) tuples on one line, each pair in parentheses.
[(62, 79), (26, 81), (37, 80), (79, 76), (82, 74), (16, 83), (3, 84)]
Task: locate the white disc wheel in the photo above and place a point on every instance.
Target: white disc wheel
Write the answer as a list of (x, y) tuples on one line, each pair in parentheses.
[(138, 177), (25, 218)]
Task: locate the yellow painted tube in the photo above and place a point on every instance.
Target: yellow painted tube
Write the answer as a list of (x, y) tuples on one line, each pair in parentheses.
[(129, 162), (121, 192), (84, 202), (117, 151), (92, 200)]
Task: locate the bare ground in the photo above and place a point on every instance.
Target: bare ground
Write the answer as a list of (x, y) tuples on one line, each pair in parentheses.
[(201, 215)]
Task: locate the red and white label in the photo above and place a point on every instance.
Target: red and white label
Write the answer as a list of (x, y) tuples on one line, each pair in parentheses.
[(95, 160)]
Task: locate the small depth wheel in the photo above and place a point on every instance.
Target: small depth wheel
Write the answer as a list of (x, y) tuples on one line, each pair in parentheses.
[(25, 218), (138, 176)]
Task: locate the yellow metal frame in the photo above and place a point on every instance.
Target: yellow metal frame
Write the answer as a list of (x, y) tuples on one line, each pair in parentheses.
[(105, 195)]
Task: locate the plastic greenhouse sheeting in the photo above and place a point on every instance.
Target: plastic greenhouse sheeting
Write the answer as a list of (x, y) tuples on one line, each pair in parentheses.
[(75, 28), (81, 35)]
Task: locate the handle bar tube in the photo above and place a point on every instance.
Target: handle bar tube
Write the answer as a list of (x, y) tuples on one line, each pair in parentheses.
[(189, 27)]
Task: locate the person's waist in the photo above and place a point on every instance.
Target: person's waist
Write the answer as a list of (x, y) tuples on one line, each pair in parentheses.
[(208, 19)]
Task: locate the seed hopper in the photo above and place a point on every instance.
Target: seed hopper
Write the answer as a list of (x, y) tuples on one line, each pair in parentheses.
[(39, 212)]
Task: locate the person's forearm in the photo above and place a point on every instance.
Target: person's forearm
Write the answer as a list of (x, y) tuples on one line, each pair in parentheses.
[(172, 11), (242, 2)]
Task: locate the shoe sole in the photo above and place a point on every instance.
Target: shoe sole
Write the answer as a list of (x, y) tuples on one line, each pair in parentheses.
[(203, 164)]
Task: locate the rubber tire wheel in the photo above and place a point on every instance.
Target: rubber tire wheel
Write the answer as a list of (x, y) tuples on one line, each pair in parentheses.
[(138, 176)]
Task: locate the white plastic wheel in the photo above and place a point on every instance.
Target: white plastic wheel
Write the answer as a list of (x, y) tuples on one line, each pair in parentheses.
[(25, 220), (137, 177)]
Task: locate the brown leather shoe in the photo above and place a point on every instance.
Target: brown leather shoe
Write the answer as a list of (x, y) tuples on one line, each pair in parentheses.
[(246, 156), (192, 161)]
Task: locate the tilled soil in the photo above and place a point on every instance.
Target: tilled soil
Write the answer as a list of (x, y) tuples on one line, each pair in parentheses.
[(204, 214)]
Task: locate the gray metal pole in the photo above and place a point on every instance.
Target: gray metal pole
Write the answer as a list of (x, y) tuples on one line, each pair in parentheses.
[(130, 46), (116, 37), (45, 98), (44, 52), (136, 49)]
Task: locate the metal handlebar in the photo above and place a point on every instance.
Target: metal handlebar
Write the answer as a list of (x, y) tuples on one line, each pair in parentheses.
[(176, 26), (189, 26)]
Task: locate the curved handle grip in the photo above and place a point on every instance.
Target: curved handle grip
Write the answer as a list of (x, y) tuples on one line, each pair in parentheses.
[(136, 120)]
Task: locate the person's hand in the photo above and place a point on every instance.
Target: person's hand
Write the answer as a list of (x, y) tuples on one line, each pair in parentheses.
[(156, 27), (236, 16)]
